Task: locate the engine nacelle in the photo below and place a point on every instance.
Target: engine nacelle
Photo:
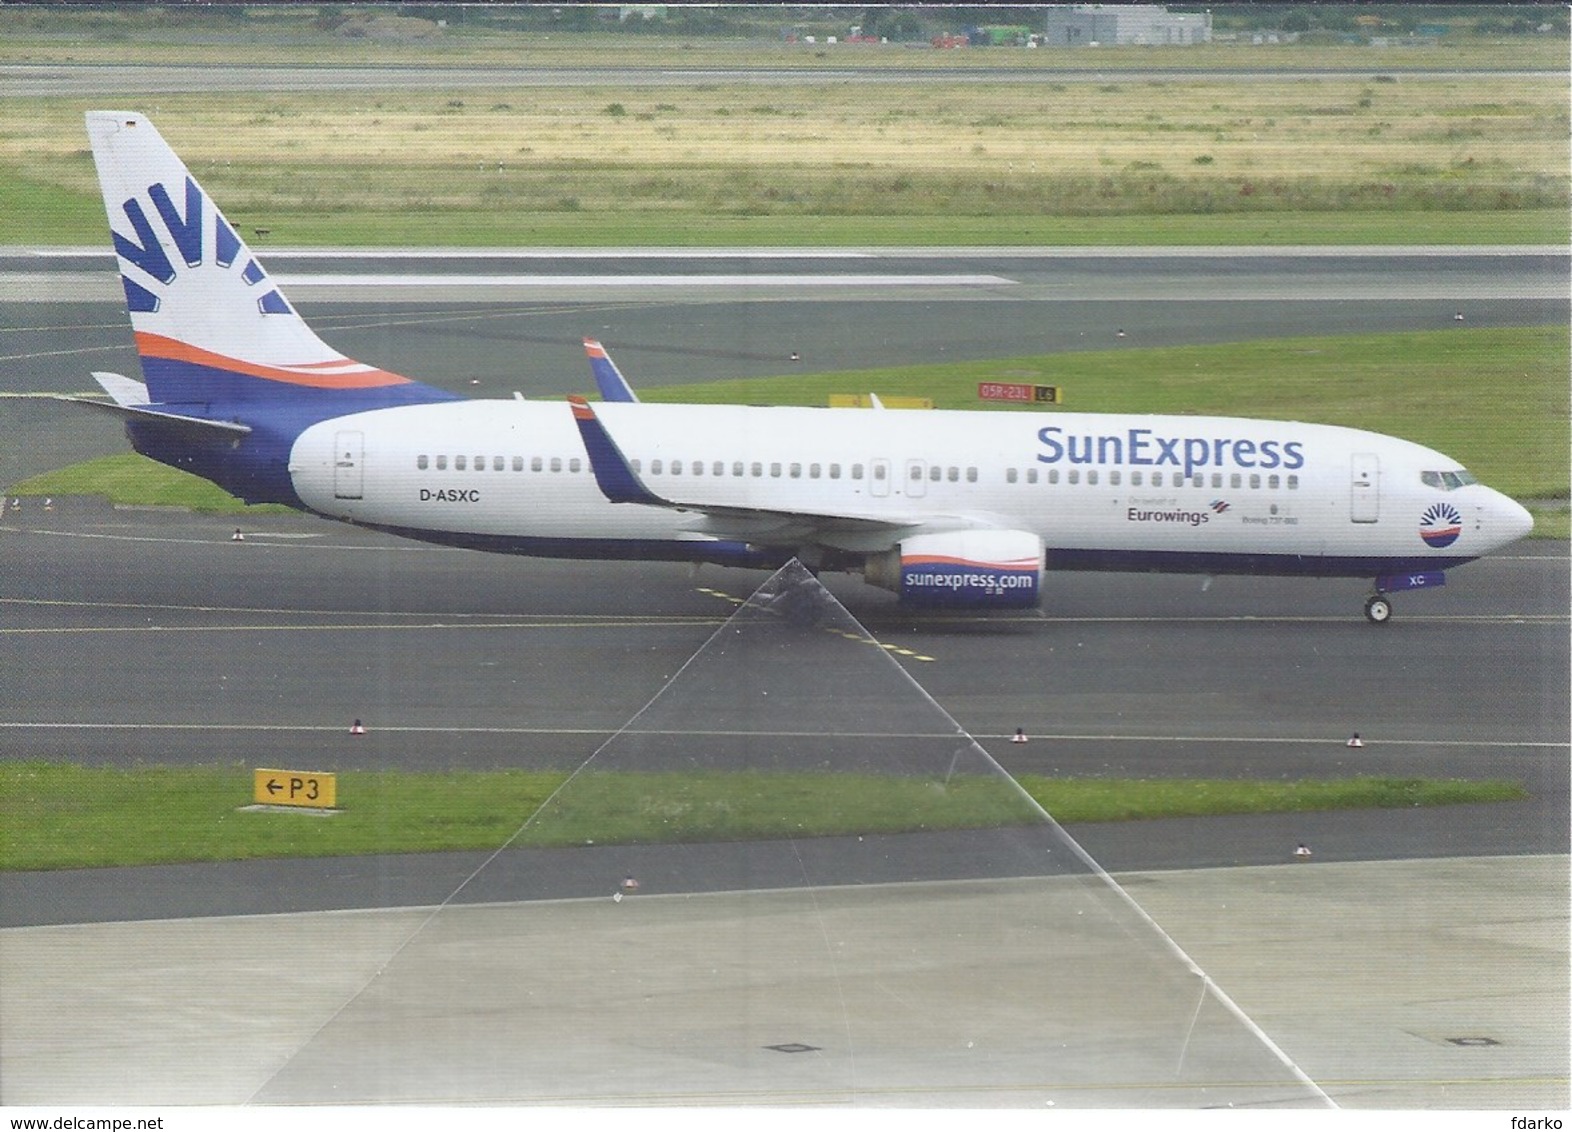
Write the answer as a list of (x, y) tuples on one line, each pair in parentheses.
[(962, 569)]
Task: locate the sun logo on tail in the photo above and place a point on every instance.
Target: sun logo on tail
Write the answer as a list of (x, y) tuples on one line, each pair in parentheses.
[(150, 255)]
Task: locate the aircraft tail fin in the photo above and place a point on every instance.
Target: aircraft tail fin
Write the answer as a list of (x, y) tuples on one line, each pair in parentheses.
[(211, 326)]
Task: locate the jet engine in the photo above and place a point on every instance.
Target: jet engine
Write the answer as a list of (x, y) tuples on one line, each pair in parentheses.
[(987, 569)]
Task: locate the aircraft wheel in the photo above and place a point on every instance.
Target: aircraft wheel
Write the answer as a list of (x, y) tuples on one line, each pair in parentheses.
[(1378, 610)]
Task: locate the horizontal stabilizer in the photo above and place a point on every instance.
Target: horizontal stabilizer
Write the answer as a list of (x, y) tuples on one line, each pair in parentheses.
[(148, 413), (123, 389)]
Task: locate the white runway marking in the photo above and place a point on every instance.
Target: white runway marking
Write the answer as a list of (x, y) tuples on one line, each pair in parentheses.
[(580, 281), (338, 627), (1037, 737), (225, 540), (447, 618), (614, 254), (62, 353)]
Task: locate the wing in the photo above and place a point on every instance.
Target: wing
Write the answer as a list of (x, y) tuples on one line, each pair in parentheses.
[(862, 531)]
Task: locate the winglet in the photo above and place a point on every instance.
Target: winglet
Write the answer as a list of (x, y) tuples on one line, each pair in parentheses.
[(608, 379), (616, 477)]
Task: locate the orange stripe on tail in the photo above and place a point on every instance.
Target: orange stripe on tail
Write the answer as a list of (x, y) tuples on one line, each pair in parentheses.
[(306, 373)]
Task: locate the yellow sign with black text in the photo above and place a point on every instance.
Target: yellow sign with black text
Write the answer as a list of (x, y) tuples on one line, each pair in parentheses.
[(865, 401), (311, 788)]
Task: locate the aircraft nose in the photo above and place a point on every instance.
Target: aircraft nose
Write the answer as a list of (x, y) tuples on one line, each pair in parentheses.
[(1510, 520)]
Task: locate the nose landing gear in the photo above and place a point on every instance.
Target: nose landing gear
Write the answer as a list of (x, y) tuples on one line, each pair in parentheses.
[(1378, 609)]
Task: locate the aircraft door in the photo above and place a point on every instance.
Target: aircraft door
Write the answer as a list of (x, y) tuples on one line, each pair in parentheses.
[(1365, 504), (916, 478), (349, 453)]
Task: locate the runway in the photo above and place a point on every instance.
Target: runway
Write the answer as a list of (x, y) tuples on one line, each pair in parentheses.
[(150, 635)]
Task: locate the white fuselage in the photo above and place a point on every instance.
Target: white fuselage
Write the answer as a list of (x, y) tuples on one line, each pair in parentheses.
[(1210, 494)]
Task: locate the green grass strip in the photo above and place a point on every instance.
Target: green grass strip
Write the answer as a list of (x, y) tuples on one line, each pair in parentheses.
[(33, 215), (1097, 799), (130, 479), (60, 815), (718, 806), (54, 215)]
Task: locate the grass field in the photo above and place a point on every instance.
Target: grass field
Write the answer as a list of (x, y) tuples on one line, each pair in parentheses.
[(1197, 158), (67, 816)]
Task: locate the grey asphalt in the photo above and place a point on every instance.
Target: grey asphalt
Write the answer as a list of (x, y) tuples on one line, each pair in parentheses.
[(1380, 985), (154, 637)]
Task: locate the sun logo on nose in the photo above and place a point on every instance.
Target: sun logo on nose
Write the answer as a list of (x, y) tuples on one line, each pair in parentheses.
[(1440, 525)]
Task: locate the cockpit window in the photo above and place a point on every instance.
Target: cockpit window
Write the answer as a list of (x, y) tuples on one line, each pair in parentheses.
[(1447, 481)]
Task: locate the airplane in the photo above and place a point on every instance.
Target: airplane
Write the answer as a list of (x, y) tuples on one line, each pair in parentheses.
[(947, 509)]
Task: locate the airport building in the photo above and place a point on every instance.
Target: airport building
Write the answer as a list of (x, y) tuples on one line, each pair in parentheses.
[(1087, 25)]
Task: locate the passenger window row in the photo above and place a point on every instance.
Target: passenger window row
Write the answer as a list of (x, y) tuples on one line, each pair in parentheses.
[(744, 469), (738, 469), (498, 463), (755, 469), (1234, 480), (937, 473)]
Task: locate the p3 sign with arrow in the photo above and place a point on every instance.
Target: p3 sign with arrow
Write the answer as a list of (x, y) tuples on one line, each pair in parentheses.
[(312, 788)]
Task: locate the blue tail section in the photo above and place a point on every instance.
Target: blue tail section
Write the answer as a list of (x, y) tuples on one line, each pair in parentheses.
[(217, 339)]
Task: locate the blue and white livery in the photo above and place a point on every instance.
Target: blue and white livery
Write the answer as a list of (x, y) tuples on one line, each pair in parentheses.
[(948, 509)]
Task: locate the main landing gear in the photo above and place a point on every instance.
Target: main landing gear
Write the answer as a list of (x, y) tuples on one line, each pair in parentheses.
[(1378, 609)]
